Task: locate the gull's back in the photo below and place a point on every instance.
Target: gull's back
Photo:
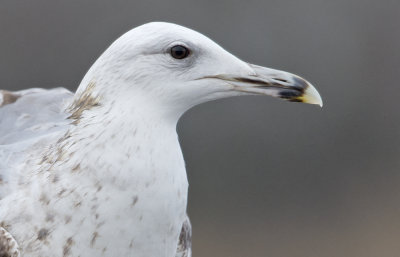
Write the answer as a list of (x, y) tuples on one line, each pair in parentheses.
[(29, 119)]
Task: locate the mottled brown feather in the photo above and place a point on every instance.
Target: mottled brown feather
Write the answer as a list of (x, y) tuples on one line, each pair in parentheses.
[(8, 98)]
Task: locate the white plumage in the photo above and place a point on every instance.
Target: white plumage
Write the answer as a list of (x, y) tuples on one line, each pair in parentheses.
[(100, 172)]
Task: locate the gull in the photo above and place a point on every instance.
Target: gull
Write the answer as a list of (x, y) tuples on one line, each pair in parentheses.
[(101, 172)]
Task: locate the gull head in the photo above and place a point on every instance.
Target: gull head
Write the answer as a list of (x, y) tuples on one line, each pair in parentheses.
[(174, 68)]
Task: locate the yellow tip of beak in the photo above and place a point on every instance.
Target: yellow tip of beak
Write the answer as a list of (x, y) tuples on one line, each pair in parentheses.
[(311, 96)]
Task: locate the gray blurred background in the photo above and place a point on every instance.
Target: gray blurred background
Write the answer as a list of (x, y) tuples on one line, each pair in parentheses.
[(268, 178)]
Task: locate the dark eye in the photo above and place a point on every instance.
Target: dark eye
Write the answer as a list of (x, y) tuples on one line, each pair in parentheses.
[(179, 52)]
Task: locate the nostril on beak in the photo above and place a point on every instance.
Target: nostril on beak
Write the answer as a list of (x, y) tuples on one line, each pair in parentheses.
[(281, 80)]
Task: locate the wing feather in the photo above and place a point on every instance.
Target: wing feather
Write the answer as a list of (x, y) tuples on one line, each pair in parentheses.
[(8, 245), (184, 248)]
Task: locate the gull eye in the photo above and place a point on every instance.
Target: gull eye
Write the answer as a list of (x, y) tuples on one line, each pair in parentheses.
[(179, 52)]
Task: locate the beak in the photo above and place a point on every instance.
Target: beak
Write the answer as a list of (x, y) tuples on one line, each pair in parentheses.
[(275, 83)]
